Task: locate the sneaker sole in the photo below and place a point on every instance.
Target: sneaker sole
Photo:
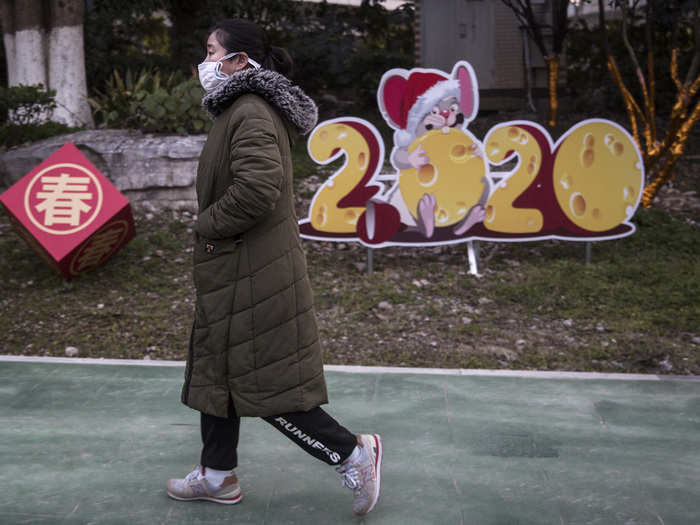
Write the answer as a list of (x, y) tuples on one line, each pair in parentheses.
[(378, 468), (224, 501)]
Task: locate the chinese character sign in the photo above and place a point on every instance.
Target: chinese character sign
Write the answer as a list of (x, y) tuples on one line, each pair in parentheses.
[(447, 186), (69, 212), (63, 199)]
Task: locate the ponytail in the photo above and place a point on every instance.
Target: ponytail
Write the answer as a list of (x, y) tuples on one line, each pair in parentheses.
[(278, 59), (235, 35)]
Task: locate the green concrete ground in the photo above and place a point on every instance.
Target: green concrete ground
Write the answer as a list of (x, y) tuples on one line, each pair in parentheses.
[(95, 443)]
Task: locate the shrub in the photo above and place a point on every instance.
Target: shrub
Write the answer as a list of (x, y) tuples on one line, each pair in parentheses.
[(152, 103), (25, 113), (13, 135), (337, 49), (23, 105)]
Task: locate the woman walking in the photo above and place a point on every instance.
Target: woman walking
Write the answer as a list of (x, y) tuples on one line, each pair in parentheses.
[(254, 348)]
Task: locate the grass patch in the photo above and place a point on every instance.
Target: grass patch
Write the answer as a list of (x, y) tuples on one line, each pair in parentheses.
[(538, 305)]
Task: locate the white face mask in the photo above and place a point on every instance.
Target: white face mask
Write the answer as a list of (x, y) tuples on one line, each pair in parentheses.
[(210, 74)]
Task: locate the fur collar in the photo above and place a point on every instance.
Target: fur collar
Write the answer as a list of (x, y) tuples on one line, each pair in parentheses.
[(290, 100)]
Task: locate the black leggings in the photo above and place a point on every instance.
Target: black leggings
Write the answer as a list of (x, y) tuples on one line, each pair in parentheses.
[(314, 431)]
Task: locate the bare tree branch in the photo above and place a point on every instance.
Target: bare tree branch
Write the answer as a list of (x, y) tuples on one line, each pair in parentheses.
[(674, 69), (650, 71), (625, 39), (659, 158), (525, 15), (675, 11)]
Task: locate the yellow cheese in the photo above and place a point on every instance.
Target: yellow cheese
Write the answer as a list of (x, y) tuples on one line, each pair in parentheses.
[(324, 213), (453, 175), (598, 176), (501, 216)]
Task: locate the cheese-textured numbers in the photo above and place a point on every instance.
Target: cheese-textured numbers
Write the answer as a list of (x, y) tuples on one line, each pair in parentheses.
[(449, 186), (598, 176), (502, 143), (327, 143), (455, 174)]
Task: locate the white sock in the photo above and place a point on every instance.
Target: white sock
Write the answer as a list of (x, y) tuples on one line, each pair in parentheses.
[(354, 457), (216, 477)]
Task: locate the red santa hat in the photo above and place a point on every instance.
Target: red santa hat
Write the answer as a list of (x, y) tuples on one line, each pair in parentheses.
[(422, 92), (405, 100)]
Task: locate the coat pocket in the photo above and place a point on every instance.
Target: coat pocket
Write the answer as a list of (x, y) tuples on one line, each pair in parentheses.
[(215, 263)]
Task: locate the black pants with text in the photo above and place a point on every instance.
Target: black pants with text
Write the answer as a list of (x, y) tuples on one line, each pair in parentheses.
[(315, 431)]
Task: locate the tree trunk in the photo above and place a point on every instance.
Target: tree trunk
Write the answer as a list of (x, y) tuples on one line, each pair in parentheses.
[(553, 81), (30, 52), (7, 16), (67, 63)]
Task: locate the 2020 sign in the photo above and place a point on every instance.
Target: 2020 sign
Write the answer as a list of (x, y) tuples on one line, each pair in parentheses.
[(447, 186)]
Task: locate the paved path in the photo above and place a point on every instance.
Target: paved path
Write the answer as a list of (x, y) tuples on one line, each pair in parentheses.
[(82, 443)]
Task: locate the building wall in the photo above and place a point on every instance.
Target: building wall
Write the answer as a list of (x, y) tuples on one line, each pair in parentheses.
[(508, 61), (487, 34)]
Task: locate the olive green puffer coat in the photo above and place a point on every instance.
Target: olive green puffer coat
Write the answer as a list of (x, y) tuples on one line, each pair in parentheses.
[(254, 337)]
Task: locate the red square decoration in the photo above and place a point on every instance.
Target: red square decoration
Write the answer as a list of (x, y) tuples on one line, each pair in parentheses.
[(69, 213)]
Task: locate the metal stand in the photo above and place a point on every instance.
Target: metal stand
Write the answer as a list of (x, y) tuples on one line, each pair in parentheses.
[(370, 261), (589, 252), (473, 252)]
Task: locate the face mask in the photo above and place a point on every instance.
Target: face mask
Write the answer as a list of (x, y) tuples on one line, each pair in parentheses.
[(210, 74)]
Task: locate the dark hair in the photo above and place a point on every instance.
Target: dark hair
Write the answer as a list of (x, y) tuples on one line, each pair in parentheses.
[(236, 34)]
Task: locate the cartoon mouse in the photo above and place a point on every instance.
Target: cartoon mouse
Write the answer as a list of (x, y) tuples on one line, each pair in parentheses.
[(414, 103), (444, 115)]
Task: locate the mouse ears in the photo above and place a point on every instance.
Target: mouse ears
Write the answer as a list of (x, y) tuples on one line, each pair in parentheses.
[(469, 101), (401, 90)]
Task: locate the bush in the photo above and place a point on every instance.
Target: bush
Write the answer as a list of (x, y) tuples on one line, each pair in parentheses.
[(14, 135), (23, 105), (151, 103), (337, 49), (25, 113), (345, 50)]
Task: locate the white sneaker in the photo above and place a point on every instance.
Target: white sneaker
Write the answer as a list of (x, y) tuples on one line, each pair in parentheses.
[(195, 486), (364, 475)]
